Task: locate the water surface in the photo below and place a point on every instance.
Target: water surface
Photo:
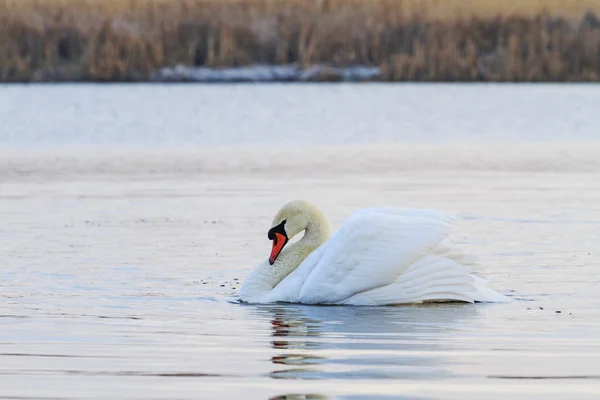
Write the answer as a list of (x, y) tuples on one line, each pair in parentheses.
[(131, 215)]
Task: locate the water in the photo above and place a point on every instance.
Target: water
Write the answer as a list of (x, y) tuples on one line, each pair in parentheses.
[(131, 215), (180, 115)]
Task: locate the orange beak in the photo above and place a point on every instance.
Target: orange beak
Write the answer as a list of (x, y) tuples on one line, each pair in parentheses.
[(279, 240)]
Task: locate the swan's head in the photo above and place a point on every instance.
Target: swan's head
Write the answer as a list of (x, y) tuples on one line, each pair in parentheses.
[(290, 220)]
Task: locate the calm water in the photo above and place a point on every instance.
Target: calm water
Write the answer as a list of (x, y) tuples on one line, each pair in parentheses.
[(130, 216)]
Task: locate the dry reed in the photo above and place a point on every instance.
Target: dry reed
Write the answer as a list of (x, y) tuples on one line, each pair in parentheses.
[(410, 40)]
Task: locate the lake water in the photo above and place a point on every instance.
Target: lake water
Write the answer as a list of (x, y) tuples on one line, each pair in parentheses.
[(130, 216)]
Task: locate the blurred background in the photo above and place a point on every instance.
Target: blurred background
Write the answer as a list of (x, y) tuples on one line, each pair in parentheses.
[(317, 40)]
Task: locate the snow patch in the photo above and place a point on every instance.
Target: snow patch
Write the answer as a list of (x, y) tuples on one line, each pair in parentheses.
[(266, 73)]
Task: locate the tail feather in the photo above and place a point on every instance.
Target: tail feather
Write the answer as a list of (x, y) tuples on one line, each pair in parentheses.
[(431, 278)]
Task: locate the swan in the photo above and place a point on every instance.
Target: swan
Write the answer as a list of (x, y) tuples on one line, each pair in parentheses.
[(379, 256)]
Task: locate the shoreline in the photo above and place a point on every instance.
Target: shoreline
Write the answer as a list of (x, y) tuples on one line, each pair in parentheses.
[(246, 41), (283, 74)]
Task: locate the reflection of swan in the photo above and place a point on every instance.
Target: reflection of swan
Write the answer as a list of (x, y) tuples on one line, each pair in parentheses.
[(360, 328), (380, 256), (361, 342)]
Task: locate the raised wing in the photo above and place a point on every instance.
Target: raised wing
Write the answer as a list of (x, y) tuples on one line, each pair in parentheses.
[(372, 249)]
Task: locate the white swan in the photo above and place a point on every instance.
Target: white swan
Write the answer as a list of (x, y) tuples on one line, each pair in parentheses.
[(380, 256)]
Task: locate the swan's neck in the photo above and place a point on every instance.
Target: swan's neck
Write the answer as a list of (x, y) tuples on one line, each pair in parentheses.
[(266, 276)]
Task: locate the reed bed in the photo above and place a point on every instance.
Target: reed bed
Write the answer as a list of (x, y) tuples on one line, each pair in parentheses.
[(409, 40)]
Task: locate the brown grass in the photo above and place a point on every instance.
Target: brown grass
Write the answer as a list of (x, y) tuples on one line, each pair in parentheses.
[(419, 40)]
